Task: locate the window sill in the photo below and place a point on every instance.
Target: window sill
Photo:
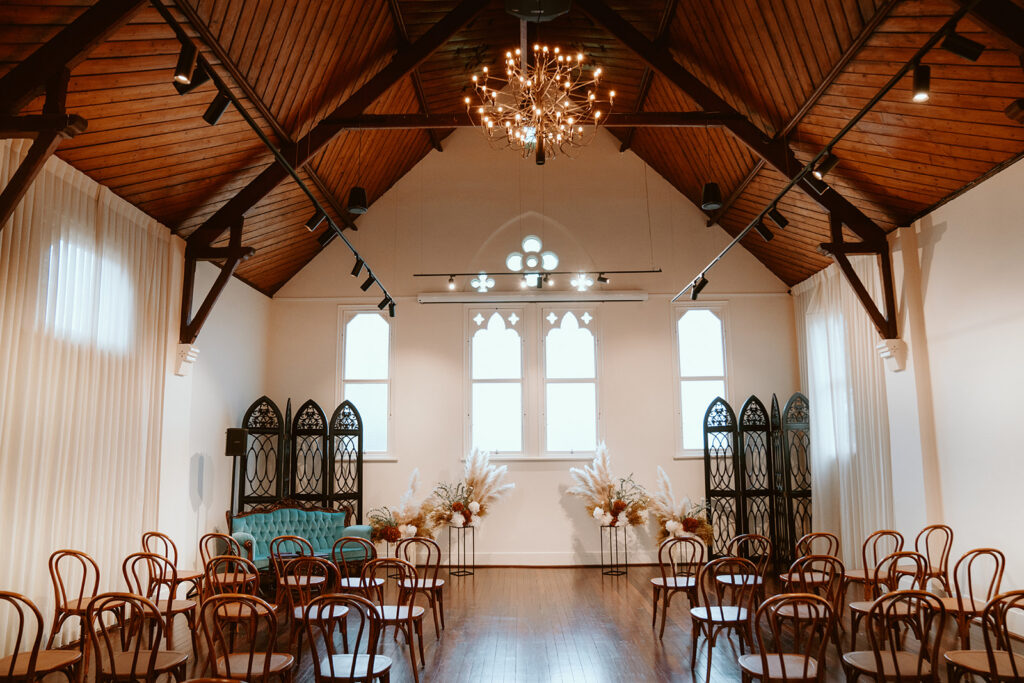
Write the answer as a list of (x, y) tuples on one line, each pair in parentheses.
[(689, 455), (381, 457), (540, 458)]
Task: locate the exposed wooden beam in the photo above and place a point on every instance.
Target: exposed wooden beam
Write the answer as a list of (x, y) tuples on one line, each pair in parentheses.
[(862, 37), (775, 152), (229, 65), (321, 134), (29, 78), (233, 255), (417, 82), (648, 74), (1004, 18), (33, 125), (654, 119)]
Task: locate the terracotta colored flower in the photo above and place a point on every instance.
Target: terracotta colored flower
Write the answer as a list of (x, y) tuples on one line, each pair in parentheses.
[(391, 534), (617, 507), (690, 524), (457, 507)]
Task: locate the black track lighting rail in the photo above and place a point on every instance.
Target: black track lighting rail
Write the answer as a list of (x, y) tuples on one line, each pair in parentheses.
[(542, 272)]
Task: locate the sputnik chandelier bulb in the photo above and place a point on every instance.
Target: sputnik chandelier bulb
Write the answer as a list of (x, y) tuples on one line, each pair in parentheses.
[(552, 98)]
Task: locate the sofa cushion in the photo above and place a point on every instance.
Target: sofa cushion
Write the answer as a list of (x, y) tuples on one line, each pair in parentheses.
[(321, 529)]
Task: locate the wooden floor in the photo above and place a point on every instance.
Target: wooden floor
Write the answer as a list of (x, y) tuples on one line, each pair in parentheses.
[(556, 625)]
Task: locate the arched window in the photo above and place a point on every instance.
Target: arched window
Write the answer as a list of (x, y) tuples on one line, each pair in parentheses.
[(702, 366), (496, 375), (570, 382), (366, 373)]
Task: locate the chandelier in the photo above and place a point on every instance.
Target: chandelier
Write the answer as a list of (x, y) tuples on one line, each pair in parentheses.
[(541, 107)]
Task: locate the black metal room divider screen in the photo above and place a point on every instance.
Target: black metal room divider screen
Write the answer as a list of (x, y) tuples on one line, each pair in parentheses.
[(757, 473)]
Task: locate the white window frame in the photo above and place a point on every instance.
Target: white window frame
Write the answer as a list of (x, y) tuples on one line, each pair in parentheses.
[(595, 329), (721, 310), (345, 314)]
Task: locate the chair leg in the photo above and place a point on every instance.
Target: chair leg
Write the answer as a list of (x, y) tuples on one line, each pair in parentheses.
[(695, 629), (440, 602), (666, 600), (412, 657), (419, 639), (433, 608), (654, 612)]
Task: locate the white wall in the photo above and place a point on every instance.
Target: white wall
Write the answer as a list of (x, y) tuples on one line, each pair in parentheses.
[(465, 209), (966, 370), (195, 476)]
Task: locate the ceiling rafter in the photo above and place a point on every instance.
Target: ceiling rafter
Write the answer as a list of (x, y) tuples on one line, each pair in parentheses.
[(317, 138), (1004, 18), (648, 74), (417, 82)]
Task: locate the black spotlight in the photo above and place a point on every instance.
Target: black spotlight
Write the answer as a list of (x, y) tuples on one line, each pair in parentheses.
[(711, 197), (357, 203), (391, 309), (825, 165), (763, 231), (199, 76), (698, 286), (817, 185), (963, 46), (602, 278), (216, 109), (357, 267), (922, 83), (1015, 110), (315, 220), (451, 281), (777, 217), (369, 283), (326, 237), (186, 63), (384, 302)]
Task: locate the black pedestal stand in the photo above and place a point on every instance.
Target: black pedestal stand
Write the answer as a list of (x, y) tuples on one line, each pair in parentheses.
[(462, 567), (614, 554)]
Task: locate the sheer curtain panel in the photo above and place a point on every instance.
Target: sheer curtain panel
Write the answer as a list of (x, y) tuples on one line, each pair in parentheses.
[(843, 376), (85, 316)]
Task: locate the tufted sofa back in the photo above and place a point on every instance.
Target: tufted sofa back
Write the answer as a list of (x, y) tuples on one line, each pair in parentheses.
[(321, 529)]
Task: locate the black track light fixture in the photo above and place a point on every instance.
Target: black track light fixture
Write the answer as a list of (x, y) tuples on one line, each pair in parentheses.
[(391, 309), (216, 109), (777, 217), (711, 197), (602, 278), (549, 281), (315, 220), (384, 302), (186, 63), (369, 283), (358, 267), (357, 203), (326, 237), (817, 185), (199, 76), (922, 83), (763, 231), (962, 46), (698, 286), (1015, 110), (825, 165), (451, 282)]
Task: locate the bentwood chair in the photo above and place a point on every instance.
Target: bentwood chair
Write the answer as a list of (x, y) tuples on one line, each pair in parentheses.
[(877, 546), (283, 549), (816, 543), (935, 542), (404, 614), (162, 544), (680, 560), (311, 578), (231, 624), (76, 581), (887, 660), (351, 579), (28, 662), (799, 657), (997, 662), (425, 555), (717, 613), (126, 631), (976, 580), (757, 549), (214, 544), (328, 664), (149, 574), (820, 575), (907, 566)]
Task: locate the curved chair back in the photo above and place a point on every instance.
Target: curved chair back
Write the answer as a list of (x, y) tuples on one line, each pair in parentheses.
[(977, 577), (820, 575), (284, 548), (889, 614), (754, 547), (230, 574), (818, 543), (680, 556), (422, 553), (877, 546), (742, 585), (214, 545), (352, 567), (401, 572), (897, 566), (998, 636), (160, 544), (231, 624), (28, 635), (309, 578), (130, 650), (800, 655), (935, 542), (362, 622), (75, 576), (145, 573)]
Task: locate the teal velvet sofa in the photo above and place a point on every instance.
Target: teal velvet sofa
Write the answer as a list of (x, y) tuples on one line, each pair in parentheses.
[(255, 530)]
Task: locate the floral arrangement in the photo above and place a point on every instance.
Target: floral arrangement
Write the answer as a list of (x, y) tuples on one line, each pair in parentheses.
[(679, 517), (465, 503), (612, 502), (406, 521)]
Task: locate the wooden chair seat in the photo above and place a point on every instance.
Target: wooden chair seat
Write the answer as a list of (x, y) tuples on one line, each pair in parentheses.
[(389, 613), (179, 606), (680, 582), (787, 667), (859, 575), (189, 575), (166, 660), (290, 581), (343, 666), (336, 612), (239, 663), (724, 614), (811, 578), (862, 607), (976, 661), (796, 612), (953, 607), (741, 579), (234, 611), (76, 606), (47, 662), (911, 569), (424, 584), (231, 578), (904, 662), (357, 583)]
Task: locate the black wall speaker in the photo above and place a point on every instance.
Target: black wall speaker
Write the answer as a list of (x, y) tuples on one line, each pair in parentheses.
[(236, 441)]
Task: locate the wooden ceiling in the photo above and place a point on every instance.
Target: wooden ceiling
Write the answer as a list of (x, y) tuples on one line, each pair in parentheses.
[(797, 69)]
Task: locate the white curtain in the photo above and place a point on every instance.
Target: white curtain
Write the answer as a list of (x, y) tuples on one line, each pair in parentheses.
[(844, 378), (85, 302)]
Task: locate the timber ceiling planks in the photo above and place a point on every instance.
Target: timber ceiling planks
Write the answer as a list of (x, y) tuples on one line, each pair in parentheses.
[(796, 68)]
